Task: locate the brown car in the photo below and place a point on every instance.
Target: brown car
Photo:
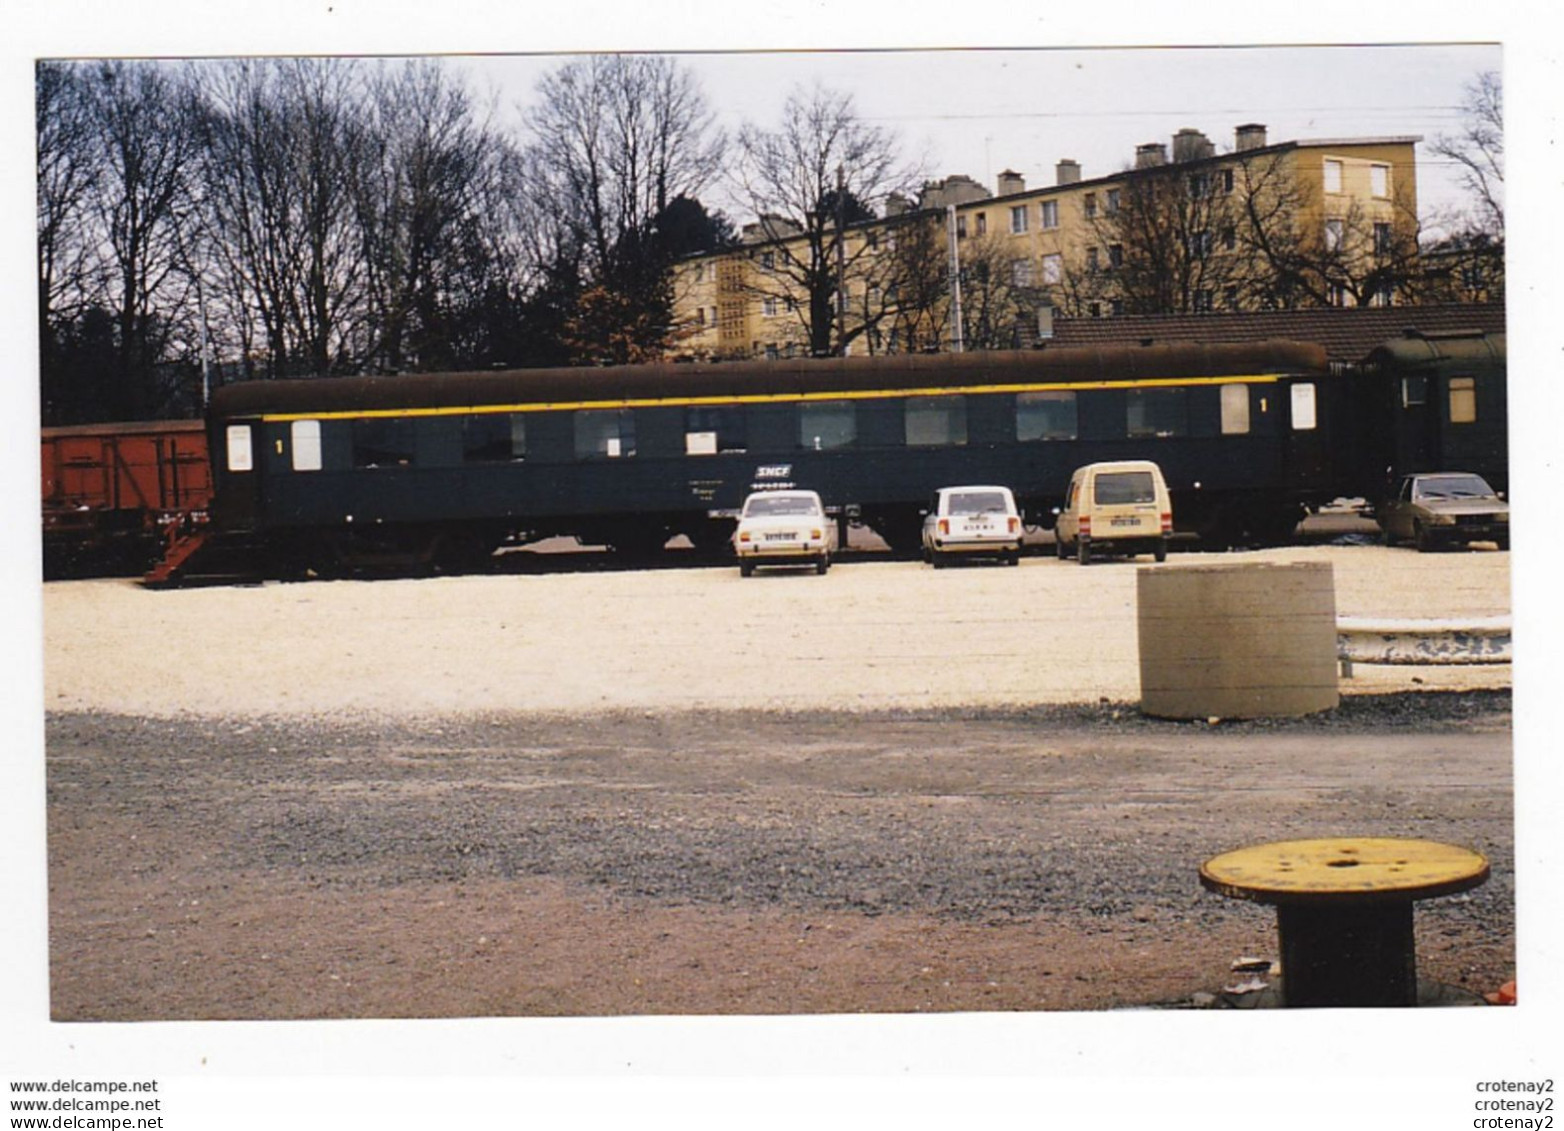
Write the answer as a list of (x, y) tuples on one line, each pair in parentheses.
[(1446, 508)]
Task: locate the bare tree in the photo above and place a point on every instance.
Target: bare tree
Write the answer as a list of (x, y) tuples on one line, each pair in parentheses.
[(619, 140), (801, 180), (142, 116), (67, 159), (425, 185), (1479, 151), (279, 235)]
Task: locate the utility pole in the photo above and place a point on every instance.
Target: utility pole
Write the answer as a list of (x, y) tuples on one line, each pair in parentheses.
[(841, 260), (955, 279)]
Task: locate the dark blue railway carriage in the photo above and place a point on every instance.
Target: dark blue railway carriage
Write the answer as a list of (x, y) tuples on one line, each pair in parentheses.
[(453, 465), (1434, 402)]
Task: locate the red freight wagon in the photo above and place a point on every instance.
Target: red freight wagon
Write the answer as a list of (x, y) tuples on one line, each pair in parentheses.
[(110, 490)]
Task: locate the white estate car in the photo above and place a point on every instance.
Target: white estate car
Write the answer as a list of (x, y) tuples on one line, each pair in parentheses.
[(972, 521), (784, 528)]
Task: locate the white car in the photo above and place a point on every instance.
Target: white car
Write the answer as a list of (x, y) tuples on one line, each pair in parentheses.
[(784, 528), (972, 522)]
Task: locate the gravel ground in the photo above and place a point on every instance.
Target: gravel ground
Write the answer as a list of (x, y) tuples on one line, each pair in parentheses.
[(878, 790)]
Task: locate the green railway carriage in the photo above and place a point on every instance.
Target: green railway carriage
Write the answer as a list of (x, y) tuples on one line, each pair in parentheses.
[(453, 465)]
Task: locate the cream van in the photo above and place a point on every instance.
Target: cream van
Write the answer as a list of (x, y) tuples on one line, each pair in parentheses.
[(1120, 507)]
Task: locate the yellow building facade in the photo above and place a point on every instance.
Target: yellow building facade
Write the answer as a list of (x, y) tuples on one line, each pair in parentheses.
[(1184, 229)]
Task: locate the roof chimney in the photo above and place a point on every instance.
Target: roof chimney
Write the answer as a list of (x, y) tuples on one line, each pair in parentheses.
[(1191, 145), (1067, 172), (1249, 136), (1152, 153), (1011, 181)]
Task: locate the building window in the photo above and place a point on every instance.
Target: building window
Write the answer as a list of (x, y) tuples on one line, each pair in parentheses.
[(1383, 244), (378, 442), (1303, 407), (1018, 219), (1227, 180), (1335, 295), (241, 454), (1046, 416), (1094, 309), (1229, 238), (982, 223), (1020, 272), (1235, 409), (1203, 301), (961, 227), (1156, 412), (1053, 270), (1113, 201), (1333, 235), (768, 260), (1230, 297), (1116, 306), (1092, 263), (1199, 245), (607, 433), (935, 421), (494, 437), (1045, 322), (1199, 185), (1332, 175), (1050, 213), (1115, 255), (823, 425), (1090, 206), (1379, 180), (1463, 400), (768, 307)]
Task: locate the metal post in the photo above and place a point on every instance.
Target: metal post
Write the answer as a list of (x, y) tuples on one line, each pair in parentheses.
[(955, 280)]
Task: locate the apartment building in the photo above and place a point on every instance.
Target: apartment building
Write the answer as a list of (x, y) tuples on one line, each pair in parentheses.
[(1182, 229)]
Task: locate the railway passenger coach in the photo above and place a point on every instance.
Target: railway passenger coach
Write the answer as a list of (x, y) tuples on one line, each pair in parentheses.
[(450, 466)]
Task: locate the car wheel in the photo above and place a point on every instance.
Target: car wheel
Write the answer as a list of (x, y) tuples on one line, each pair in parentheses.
[(936, 559), (1060, 547), (1421, 538), (1502, 541), (1013, 558), (822, 565), (1161, 552), (746, 569), (1083, 551)]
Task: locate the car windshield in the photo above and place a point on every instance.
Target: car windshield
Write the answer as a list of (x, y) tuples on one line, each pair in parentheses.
[(1119, 487), (977, 502), (1453, 487), (780, 505)]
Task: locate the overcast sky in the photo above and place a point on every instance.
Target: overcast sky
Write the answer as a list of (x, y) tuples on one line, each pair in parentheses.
[(981, 111)]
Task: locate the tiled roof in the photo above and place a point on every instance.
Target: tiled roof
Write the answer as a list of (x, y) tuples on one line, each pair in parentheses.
[(1346, 333)]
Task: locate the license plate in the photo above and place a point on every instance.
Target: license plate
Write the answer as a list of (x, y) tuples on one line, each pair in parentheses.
[(1124, 522), (782, 537)]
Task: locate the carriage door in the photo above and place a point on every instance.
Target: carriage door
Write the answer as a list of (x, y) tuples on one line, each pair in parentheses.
[(1417, 424), (237, 476), (1305, 440)]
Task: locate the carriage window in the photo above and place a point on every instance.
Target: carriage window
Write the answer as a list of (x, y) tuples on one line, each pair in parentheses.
[(241, 456), (1414, 391), (1235, 409), (827, 424), (1303, 408), (1463, 400), (494, 438), (708, 431), (605, 433), (1045, 416), (306, 445), (936, 421), (381, 441), (1156, 412)]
